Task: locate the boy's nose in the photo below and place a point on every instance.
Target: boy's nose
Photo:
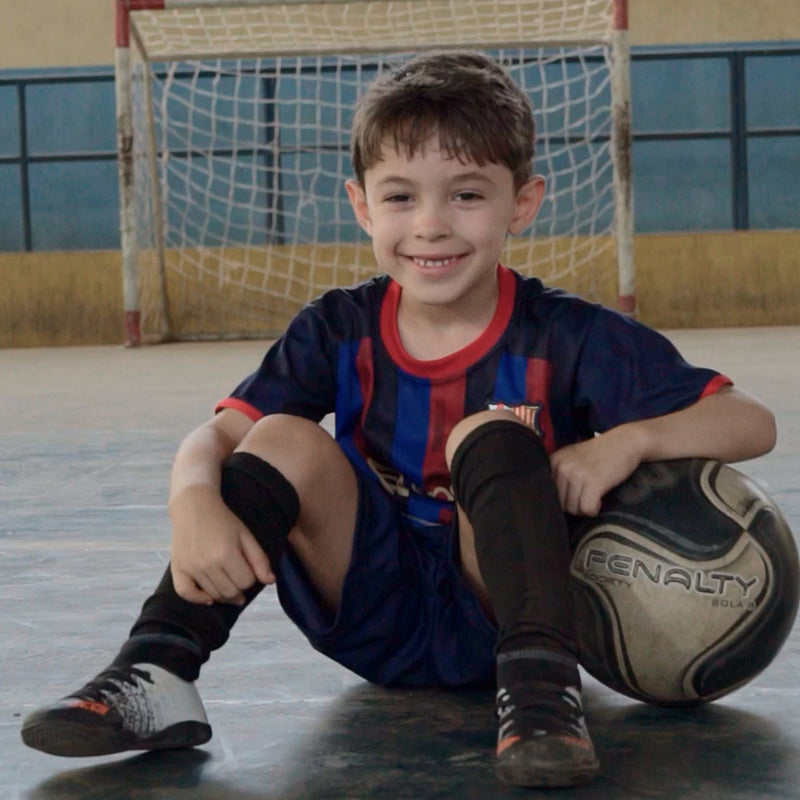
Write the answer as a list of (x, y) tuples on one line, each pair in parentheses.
[(431, 222)]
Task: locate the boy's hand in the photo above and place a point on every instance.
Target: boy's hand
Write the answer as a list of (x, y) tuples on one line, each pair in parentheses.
[(728, 426), (214, 556), (585, 471)]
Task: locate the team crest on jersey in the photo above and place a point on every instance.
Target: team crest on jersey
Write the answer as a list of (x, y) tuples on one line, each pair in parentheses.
[(394, 482), (527, 412)]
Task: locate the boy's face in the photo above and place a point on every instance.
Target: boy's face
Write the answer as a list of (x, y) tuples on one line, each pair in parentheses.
[(438, 224)]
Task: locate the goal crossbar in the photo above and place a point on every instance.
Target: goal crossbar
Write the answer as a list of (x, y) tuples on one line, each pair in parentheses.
[(186, 32)]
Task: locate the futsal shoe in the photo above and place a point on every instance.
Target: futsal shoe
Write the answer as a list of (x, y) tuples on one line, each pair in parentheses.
[(139, 707), (542, 739)]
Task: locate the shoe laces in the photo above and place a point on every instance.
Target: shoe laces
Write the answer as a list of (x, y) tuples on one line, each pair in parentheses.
[(542, 707), (112, 681)]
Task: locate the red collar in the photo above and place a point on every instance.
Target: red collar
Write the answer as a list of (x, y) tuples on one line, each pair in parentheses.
[(454, 363)]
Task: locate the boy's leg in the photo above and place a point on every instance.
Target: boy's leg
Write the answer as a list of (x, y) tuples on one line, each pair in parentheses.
[(288, 481), (515, 554)]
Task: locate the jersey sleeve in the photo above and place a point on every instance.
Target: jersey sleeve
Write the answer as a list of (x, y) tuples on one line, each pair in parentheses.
[(296, 376), (627, 371)]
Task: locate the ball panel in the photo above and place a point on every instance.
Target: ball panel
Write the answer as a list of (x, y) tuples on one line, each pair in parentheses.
[(666, 611), (669, 502), (595, 630), (750, 651)]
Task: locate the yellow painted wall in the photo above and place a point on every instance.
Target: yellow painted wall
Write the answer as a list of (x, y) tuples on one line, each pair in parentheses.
[(56, 33), (722, 279), (66, 33), (683, 280), (70, 298), (655, 22)]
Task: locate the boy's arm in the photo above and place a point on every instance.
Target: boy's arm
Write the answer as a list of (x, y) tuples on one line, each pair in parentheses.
[(727, 426), (214, 556)]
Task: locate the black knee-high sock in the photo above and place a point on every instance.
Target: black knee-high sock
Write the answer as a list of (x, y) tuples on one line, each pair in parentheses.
[(180, 635), (501, 478)]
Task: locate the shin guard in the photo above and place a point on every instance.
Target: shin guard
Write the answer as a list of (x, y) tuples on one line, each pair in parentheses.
[(502, 480), (269, 506)]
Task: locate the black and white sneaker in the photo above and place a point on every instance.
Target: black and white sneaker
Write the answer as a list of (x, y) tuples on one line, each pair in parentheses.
[(542, 738), (139, 707)]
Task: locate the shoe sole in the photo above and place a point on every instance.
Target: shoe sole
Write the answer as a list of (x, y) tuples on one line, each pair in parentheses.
[(76, 740), (523, 768)]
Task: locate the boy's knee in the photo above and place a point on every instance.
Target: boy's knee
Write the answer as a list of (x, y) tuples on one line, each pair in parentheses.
[(491, 447), (262, 497), (293, 444), (275, 430), (468, 425), (304, 452)]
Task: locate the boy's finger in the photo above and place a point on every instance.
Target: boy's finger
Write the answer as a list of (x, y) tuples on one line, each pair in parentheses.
[(567, 496), (188, 589), (257, 558), (239, 572), (590, 504), (223, 588)]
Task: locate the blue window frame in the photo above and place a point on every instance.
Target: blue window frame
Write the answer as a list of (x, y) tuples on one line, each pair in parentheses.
[(716, 146)]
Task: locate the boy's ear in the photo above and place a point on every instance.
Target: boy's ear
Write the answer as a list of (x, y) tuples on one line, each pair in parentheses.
[(358, 199), (527, 204)]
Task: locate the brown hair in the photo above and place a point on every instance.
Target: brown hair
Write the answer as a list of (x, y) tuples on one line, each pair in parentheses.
[(466, 97)]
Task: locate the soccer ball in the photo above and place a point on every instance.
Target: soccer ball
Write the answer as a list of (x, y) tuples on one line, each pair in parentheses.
[(685, 584)]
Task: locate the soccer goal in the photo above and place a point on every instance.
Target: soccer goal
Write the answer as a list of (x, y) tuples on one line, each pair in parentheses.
[(233, 121)]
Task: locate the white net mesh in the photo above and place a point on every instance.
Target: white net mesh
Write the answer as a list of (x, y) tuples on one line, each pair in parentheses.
[(378, 26), (251, 155)]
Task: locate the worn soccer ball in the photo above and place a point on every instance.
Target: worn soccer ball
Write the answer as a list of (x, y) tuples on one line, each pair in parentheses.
[(685, 584)]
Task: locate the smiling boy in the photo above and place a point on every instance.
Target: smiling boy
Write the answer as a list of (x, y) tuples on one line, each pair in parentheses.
[(426, 543)]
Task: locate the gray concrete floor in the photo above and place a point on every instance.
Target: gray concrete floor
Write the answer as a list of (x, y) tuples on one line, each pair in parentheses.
[(87, 437)]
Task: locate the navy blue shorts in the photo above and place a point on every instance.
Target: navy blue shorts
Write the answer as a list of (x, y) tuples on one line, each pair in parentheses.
[(407, 617)]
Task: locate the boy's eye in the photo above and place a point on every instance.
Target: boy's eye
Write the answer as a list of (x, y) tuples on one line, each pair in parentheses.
[(399, 197), (467, 196)]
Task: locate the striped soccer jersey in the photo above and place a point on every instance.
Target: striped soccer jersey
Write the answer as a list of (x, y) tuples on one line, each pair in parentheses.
[(567, 367)]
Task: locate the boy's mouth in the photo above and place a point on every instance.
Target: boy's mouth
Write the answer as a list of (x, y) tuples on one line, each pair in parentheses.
[(434, 262)]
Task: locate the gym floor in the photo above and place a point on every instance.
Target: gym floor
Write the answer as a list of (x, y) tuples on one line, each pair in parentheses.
[(87, 437)]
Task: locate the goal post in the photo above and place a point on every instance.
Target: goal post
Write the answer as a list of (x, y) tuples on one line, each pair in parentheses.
[(233, 141)]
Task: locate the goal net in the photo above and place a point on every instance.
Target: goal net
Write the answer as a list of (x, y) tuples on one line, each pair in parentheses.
[(234, 125)]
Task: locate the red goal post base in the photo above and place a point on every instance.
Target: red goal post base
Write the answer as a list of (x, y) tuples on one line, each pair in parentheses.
[(133, 329)]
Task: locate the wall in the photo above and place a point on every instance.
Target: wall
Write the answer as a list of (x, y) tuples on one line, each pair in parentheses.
[(69, 298), (69, 33), (76, 298), (705, 21), (699, 279), (56, 33)]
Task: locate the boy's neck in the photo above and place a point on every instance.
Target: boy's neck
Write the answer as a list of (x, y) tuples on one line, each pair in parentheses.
[(428, 331)]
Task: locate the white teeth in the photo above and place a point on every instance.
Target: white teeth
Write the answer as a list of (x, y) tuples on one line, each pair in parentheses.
[(430, 262)]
